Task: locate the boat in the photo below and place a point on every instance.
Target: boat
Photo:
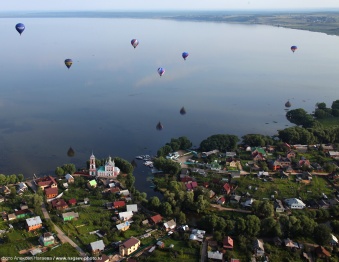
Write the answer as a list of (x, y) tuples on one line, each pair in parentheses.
[(139, 157)]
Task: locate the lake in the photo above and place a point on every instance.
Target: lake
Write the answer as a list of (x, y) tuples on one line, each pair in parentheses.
[(236, 80)]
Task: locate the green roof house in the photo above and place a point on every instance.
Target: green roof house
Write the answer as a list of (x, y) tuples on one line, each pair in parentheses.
[(46, 239), (92, 184), (69, 216)]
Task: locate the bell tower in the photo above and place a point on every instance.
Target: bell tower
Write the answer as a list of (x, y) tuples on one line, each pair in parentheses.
[(92, 168)]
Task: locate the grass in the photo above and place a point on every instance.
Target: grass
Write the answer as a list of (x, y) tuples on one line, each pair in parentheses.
[(64, 250), (329, 122), (284, 188)]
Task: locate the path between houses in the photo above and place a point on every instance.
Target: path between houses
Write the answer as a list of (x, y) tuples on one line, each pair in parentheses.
[(61, 235), (230, 209)]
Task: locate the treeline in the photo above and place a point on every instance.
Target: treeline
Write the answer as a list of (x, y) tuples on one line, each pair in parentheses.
[(10, 179)]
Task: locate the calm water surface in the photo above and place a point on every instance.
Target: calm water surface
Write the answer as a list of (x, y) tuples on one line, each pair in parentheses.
[(236, 79)]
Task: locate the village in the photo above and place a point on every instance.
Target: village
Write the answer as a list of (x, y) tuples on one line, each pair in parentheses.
[(97, 214)]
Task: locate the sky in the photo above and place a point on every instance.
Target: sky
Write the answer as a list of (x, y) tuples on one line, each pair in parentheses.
[(144, 5)]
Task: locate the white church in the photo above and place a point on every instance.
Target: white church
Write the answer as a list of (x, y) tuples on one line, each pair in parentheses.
[(108, 170)]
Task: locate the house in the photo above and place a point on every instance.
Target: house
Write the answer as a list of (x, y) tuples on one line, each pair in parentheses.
[(47, 239), (2, 199), (206, 154), (22, 187), (59, 204), (258, 247), (33, 223), (248, 202), (227, 242), (124, 193), (280, 163), (263, 174), (199, 171), (334, 240), (291, 154), (230, 154), (191, 185), (119, 204), (69, 178), (129, 246), (124, 216), (51, 192), (184, 171), (226, 188), (46, 182), (334, 154), (258, 154), (132, 207), (215, 255), (92, 184), (235, 199), (72, 202), (295, 203), (11, 217), (304, 163), (234, 164), (69, 216), (278, 206), (234, 173), (211, 193), (156, 219), (322, 252), (221, 201), (160, 244), (123, 226), (65, 185), (97, 247), (215, 166), (197, 235), (169, 225), (35, 251), (289, 243), (5, 190), (22, 213)]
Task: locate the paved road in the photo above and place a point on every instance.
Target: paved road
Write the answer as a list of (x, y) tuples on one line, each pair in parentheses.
[(203, 251), (61, 235), (230, 209)]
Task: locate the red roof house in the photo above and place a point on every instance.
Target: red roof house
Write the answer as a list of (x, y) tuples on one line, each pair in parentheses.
[(72, 201), (227, 243), (156, 219), (59, 204), (51, 192), (191, 186), (118, 204), (227, 188)]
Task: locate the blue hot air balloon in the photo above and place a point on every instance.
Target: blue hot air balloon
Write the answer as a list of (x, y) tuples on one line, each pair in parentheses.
[(20, 28), (68, 63), (134, 43), (184, 55), (161, 71), (293, 48)]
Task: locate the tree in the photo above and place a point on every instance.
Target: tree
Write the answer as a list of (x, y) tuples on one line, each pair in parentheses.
[(12, 179), (252, 225), (256, 140), (166, 209), (240, 226), (270, 227), (217, 236), (262, 208), (20, 177), (322, 234), (300, 117), (69, 168), (59, 171), (221, 142), (3, 179), (181, 218), (201, 204), (123, 165), (321, 105)]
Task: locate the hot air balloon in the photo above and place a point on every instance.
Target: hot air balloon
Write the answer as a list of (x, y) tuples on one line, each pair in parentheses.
[(161, 71), (68, 63), (293, 48), (159, 126), (182, 111), (185, 55), (70, 152), (134, 43), (288, 104), (20, 28)]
